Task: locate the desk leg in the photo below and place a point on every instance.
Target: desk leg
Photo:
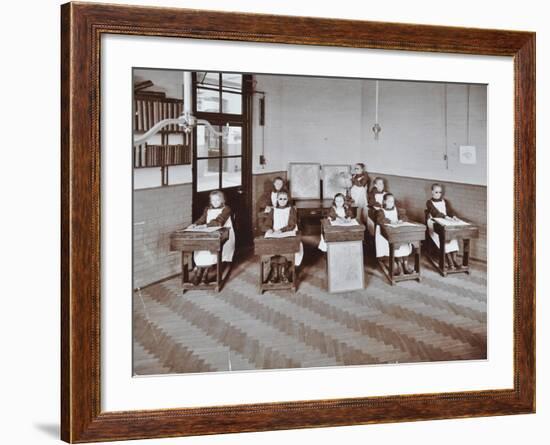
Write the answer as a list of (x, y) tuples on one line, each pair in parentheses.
[(219, 271), (391, 263), (262, 277), (293, 273), (466, 255), (417, 260), (184, 268), (442, 253)]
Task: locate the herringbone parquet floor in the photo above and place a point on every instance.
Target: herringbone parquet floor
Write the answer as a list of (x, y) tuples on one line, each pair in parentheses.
[(438, 319)]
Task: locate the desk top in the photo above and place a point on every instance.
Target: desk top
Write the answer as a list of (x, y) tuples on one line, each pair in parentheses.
[(404, 233), (456, 231), (277, 246), (214, 235), (191, 241), (313, 203), (342, 233)]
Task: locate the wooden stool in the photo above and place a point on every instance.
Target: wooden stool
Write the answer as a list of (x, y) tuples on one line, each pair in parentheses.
[(189, 242), (266, 248), (404, 234)]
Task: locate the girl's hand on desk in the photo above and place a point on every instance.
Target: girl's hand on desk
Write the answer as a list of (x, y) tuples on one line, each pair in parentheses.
[(269, 232)]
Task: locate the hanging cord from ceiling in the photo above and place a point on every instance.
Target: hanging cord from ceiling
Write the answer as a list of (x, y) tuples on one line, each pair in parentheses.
[(445, 119), (468, 115), (261, 119)]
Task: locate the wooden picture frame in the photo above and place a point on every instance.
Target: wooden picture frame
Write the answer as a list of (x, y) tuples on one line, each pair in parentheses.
[(82, 26)]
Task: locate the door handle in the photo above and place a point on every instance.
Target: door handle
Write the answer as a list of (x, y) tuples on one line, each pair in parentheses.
[(240, 192)]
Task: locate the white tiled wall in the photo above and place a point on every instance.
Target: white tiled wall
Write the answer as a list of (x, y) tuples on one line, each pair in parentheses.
[(158, 212)]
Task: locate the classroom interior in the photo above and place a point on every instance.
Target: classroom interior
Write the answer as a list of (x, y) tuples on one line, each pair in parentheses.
[(271, 122)]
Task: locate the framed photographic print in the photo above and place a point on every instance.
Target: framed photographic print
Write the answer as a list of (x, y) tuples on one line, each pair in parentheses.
[(185, 313)]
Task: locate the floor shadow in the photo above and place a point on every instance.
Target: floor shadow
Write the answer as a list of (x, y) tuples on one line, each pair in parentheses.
[(49, 429)]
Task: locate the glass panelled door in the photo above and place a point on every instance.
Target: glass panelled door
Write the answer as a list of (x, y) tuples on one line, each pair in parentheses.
[(223, 162)]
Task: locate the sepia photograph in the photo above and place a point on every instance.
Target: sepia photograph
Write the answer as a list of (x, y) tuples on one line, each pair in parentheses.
[(285, 221)]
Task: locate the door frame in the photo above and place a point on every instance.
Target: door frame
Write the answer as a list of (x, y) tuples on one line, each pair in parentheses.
[(244, 120)]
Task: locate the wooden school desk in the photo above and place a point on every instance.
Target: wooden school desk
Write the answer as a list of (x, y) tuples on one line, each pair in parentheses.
[(287, 247), (463, 232), (412, 233), (311, 212), (345, 263), (189, 242)]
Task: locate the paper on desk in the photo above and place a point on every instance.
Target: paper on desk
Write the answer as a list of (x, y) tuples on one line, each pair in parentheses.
[(202, 229), (352, 222), (281, 234), (403, 224), (451, 222)]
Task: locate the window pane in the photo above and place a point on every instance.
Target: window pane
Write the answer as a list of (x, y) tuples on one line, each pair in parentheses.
[(232, 82), (232, 145), (208, 174), (208, 144), (232, 174), (208, 79), (180, 174), (208, 100), (231, 103)]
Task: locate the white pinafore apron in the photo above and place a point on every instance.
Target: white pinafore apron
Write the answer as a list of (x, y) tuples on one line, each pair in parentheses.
[(359, 196), (379, 197), (205, 258), (273, 199), (451, 245), (340, 212), (382, 245), (280, 220)]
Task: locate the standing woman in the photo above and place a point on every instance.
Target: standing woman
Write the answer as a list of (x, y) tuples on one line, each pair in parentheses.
[(359, 187), (217, 214)]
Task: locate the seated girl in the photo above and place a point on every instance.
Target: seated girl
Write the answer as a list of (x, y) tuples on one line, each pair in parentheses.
[(283, 218), (390, 214), (269, 199), (217, 214), (375, 199), (339, 211), (438, 207)]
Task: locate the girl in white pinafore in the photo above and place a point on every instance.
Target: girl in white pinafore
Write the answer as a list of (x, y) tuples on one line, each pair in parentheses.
[(389, 214), (269, 200), (375, 200), (338, 211), (358, 191), (282, 218), (437, 207), (216, 214)]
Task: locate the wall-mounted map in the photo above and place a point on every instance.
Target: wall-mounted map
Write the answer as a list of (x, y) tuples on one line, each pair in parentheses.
[(305, 180), (336, 178)]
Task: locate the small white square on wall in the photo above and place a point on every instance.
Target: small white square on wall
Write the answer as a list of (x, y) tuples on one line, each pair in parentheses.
[(468, 154)]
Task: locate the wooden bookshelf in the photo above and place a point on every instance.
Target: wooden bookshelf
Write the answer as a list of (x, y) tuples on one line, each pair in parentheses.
[(161, 155), (151, 109)]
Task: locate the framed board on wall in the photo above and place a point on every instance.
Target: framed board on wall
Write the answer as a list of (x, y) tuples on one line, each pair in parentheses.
[(304, 180)]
